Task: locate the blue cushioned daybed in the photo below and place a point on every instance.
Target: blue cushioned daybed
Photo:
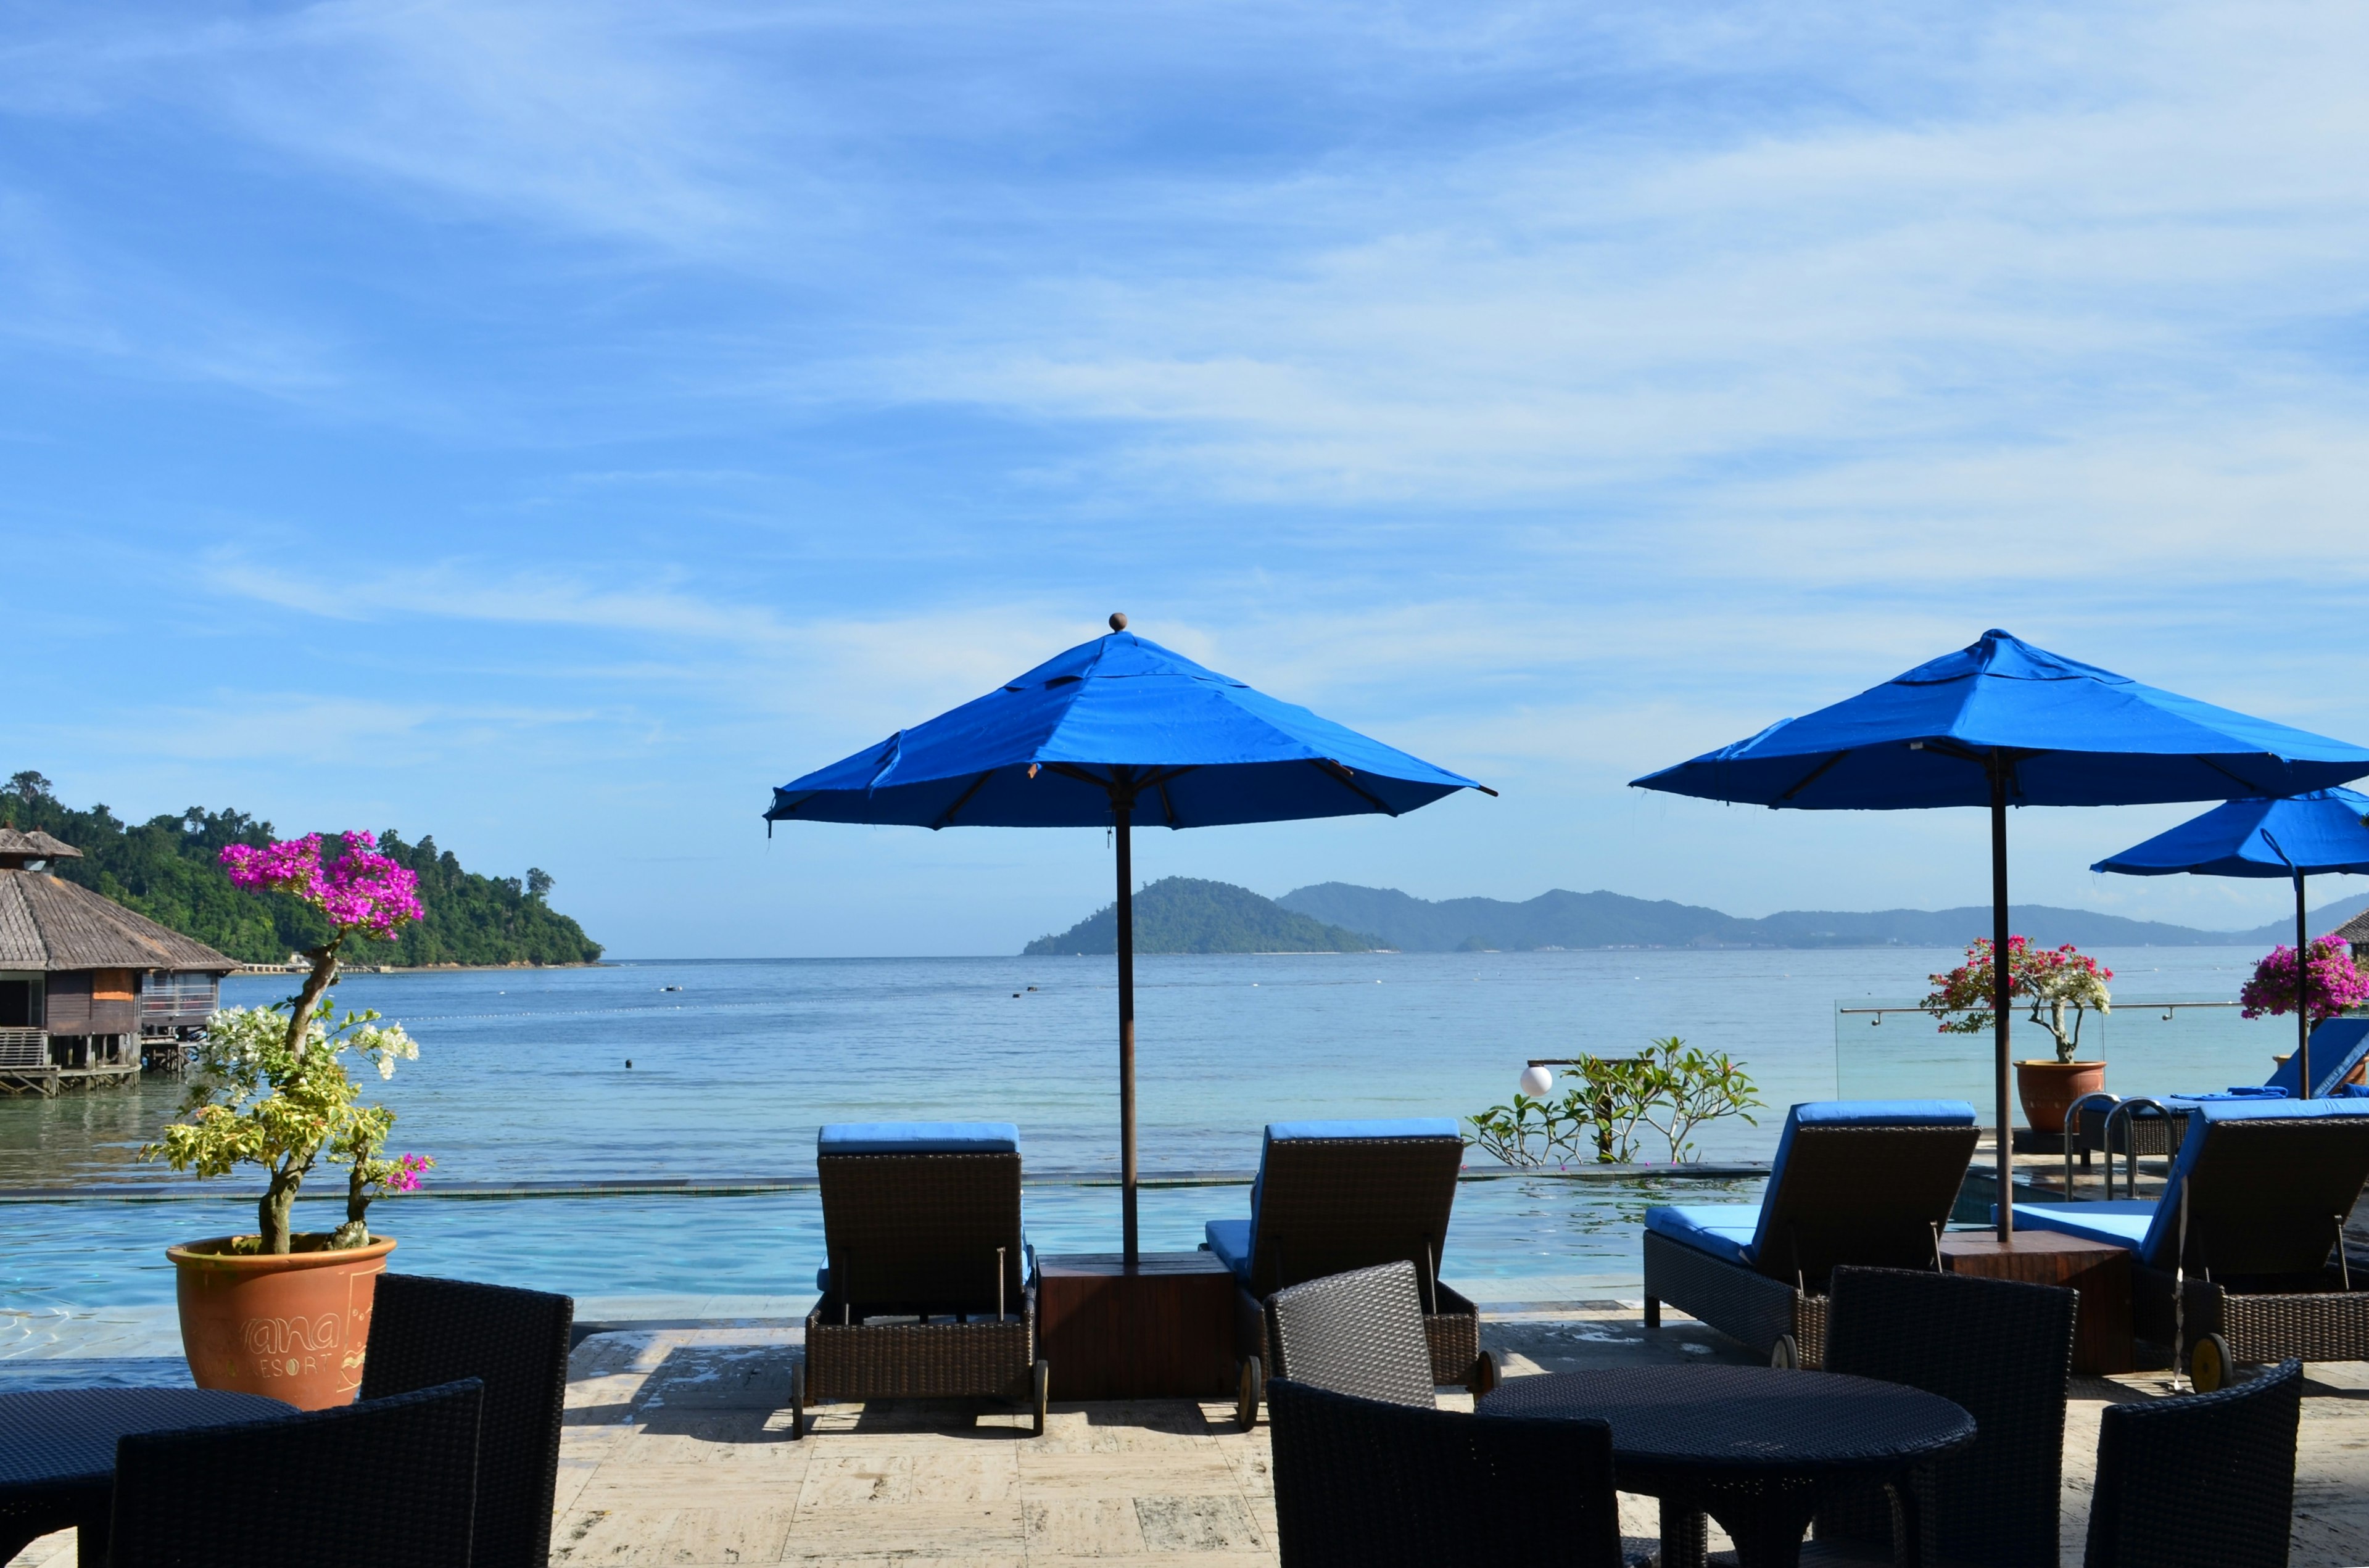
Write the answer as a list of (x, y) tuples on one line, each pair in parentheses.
[(2252, 1214), (930, 1291), (1868, 1182), (1336, 1196), (2339, 1049)]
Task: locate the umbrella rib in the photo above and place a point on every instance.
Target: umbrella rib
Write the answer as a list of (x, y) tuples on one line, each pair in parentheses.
[(1813, 775), (1341, 776), (1068, 771), (1166, 805), (2250, 785), (946, 819)]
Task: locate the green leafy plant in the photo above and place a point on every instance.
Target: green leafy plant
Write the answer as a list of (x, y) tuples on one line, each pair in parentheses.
[(1672, 1088)]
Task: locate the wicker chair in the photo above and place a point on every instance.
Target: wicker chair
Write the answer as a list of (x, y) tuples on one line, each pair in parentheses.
[(931, 1290), (2000, 1350), (1374, 1484), (384, 1484), (427, 1332), (1336, 1196), (2203, 1480), (1864, 1183), (2252, 1218), (1360, 1333)]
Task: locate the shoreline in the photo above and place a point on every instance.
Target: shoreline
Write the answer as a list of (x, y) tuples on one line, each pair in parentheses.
[(259, 972)]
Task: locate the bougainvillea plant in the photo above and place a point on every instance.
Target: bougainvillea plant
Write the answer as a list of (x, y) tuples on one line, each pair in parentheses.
[(2335, 983), (2053, 980), (268, 1086)]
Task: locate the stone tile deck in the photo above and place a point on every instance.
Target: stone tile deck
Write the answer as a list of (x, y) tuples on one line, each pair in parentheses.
[(677, 1453)]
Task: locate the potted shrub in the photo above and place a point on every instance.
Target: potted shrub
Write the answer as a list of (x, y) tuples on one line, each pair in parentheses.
[(2063, 986), (282, 1312), (2336, 986)]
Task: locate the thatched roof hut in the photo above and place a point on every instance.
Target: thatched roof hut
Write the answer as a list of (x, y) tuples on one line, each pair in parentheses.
[(86, 985), (2356, 932)]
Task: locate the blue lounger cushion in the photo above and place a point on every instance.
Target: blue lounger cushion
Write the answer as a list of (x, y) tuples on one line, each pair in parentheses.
[(2156, 1242), (918, 1138), (2123, 1222), (2338, 1046), (1230, 1242), (1732, 1231), (1723, 1230)]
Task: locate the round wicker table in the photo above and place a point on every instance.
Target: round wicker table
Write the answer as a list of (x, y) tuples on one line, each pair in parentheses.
[(1755, 1448), (57, 1452)]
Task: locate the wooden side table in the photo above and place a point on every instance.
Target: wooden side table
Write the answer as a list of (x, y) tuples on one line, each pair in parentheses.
[(2099, 1271), (1164, 1330)]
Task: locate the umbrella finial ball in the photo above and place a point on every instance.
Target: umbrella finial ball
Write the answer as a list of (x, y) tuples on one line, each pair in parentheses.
[(1118, 621), (1535, 1081)]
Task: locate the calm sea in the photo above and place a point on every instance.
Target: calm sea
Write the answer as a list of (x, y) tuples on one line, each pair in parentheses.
[(524, 1077)]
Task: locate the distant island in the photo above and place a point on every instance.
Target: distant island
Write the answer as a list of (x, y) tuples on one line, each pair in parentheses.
[(1183, 914), (1562, 918), (168, 869)]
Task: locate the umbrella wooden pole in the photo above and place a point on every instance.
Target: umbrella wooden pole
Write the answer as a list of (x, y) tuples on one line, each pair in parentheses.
[(1121, 809), (2303, 996), (2000, 984)]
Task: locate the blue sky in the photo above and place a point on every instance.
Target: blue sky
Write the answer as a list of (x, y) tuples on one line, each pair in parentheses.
[(549, 426)]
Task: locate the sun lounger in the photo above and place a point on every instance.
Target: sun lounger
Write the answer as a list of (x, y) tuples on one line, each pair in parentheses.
[(931, 1289), (2340, 1054), (2252, 1215), (1336, 1196), (1868, 1182)]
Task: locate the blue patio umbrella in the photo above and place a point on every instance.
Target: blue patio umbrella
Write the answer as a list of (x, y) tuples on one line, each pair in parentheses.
[(1111, 730), (2003, 723), (2294, 836)]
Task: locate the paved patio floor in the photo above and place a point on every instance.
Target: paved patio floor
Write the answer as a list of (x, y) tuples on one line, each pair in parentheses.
[(677, 1453)]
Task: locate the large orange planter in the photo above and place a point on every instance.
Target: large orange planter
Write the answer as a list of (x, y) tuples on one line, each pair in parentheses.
[(2048, 1089), (292, 1325)]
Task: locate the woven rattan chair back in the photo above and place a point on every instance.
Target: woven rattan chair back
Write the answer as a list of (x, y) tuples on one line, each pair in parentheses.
[(1329, 1204), (1359, 1332), (428, 1332), (921, 1232), (384, 1484), (1872, 1196), (2266, 1197), (2199, 1481), (1999, 1348), (1363, 1483)]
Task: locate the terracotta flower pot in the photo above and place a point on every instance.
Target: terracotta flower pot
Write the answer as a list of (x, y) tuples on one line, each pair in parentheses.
[(2048, 1089), (293, 1326)]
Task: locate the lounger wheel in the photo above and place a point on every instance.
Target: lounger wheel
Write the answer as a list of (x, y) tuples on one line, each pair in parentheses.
[(1251, 1387), (798, 1400), (1485, 1377), (1787, 1356), (2210, 1363), (1040, 1391)]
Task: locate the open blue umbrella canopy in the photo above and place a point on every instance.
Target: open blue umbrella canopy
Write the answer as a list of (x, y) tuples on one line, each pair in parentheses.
[(2294, 837), (2063, 732), (1119, 718), (2319, 831), (1113, 731), (2002, 723)]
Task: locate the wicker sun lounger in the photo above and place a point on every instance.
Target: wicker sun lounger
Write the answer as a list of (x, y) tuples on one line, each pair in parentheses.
[(2261, 1198), (1337, 1195), (931, 1290), (1868, 1182)]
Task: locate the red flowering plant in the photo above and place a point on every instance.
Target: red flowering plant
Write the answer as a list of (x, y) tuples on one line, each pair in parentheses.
[(268, 1085), (2054, 980), (2335, 983)]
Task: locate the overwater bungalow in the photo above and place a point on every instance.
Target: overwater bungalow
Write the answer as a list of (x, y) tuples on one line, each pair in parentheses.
[(89, 990)]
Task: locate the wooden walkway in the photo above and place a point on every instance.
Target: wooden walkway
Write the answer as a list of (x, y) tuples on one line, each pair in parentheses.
[(676, 1453)]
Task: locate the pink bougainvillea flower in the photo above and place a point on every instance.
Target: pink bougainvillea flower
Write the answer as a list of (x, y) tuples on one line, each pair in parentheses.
[(405, 1177), (360, 890), (2335, 983)]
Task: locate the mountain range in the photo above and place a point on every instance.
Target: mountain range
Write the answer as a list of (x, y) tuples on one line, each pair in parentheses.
[(1563, 919)]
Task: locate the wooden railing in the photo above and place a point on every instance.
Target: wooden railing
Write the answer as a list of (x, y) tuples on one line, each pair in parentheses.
[(24, 1047)]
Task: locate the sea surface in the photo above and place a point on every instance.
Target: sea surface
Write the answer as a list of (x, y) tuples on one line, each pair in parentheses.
[(523, 1078)]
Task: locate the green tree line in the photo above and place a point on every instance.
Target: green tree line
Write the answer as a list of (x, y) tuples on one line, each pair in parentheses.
[(169, 869)]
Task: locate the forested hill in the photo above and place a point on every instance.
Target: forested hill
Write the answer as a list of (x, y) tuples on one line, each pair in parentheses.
[(1183, 914), (1563, 919), (168, 868)]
